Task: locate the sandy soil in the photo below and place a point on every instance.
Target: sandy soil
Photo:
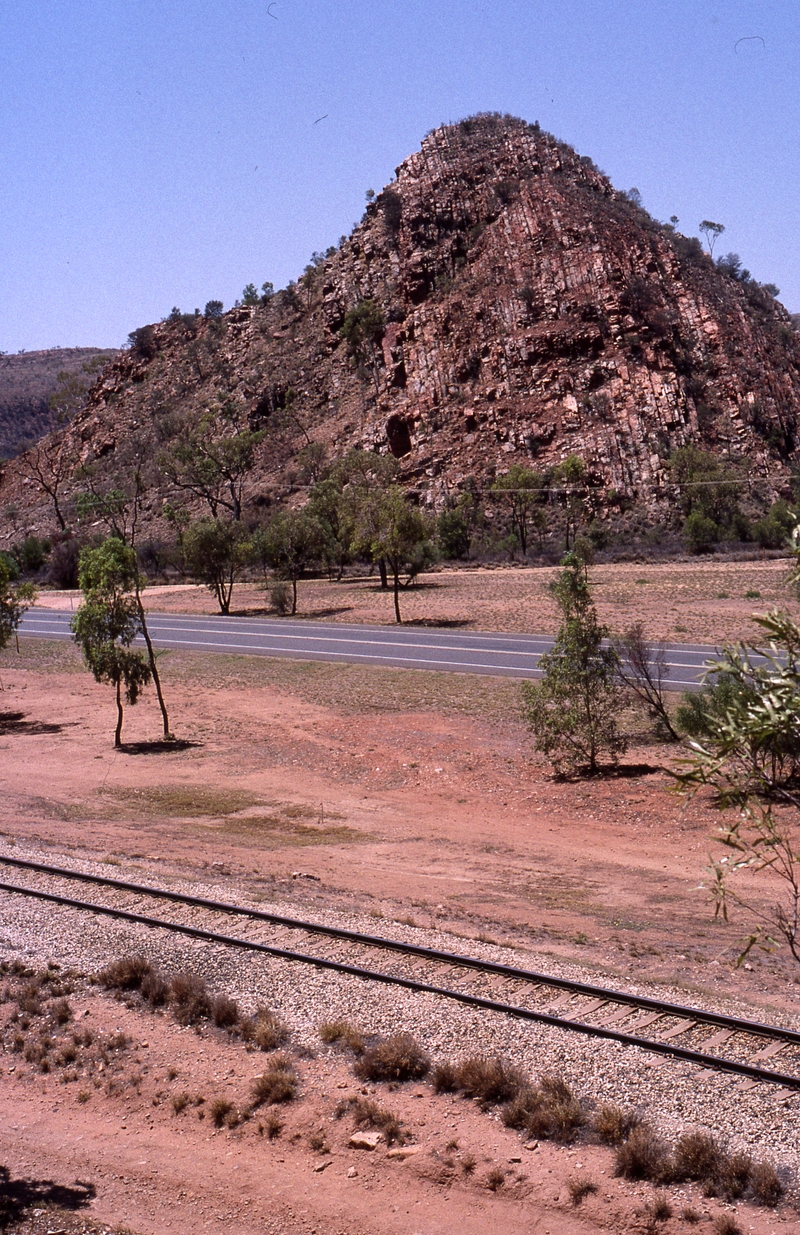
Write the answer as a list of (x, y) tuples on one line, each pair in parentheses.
[(413, 796), (696, 601)]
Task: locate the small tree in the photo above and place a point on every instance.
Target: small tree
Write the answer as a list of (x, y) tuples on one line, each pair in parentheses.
[(570, 477), (523, 491), (46, 464), (215, 552), (750, 759), (573, 710), (712, 232), (14, 603), (290, 544), (388, 528), (363, 328), (108, 622), (642, 668)]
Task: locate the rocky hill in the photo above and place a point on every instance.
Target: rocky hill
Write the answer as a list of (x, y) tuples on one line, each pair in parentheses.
[(28, 382), (501, 303)]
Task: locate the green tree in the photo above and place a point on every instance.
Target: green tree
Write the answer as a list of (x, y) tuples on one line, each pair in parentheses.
[(250, 295), (573, 710), (523, 492), (708, 496), (14, 603), (328, 506), (569, 478), (389, 529), (211, 458), (749, 758), (291, 544), (216, 551), (362, 330), (108, 621), (712, 232)]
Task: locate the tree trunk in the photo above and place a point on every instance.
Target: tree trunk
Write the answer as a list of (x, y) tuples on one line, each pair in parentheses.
[(118, 734), (396, 575), (382, 570), (294, 597), (61, 520), (151, 656)]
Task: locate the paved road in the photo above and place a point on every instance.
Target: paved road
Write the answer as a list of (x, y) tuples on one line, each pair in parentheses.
[(408, 647)]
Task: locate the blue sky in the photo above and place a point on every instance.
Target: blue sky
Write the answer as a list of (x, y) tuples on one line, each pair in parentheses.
[(162, 152)]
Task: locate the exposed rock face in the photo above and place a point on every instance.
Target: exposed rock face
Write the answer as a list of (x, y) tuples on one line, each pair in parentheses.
[(530, 313)]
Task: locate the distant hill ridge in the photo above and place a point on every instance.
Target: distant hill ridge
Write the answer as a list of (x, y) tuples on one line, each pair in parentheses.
[(27, 382), (499, 302)]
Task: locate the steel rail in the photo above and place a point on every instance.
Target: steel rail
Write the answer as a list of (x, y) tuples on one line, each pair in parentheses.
[(683, 1011), (196, 932), (750, 1071)]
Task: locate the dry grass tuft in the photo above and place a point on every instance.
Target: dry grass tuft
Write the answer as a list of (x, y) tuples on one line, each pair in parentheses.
[(190, 999), (265, 1030), (179, 1102), (580, 1188), (690, 1215), (660, 1208), (342, 1032), (369, 1114), (61, 1011), (278, 1083), (468, 1163), (612, 1125), (495, 1179), (643, 1156), (125, 974), (726, 1224), (399, 1058), (490, 1079), (219, 1110), (224, 1012)]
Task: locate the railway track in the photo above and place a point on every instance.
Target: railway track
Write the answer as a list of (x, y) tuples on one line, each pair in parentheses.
[(673, 1030)]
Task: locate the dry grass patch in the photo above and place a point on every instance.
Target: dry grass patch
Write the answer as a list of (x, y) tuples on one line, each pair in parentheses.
[(189, 997), (183, 801), (344, 1034), (580, 1188), (265, 1030), (398, 1058), (369, 1114), (277, 1084)]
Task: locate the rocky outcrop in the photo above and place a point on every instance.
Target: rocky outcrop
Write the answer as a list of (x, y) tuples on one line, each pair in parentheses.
[(530, 312)]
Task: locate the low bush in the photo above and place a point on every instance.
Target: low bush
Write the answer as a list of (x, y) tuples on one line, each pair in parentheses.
[(342, 1032), (278, 1084), (265, 1030), (155, 989), (369, 1114), (190, 999), (224, 1012), (643, 1156), (726, 1224), (398, 1058), (766, 1187), (612, 1125), (490, 1079), (125, 974)]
